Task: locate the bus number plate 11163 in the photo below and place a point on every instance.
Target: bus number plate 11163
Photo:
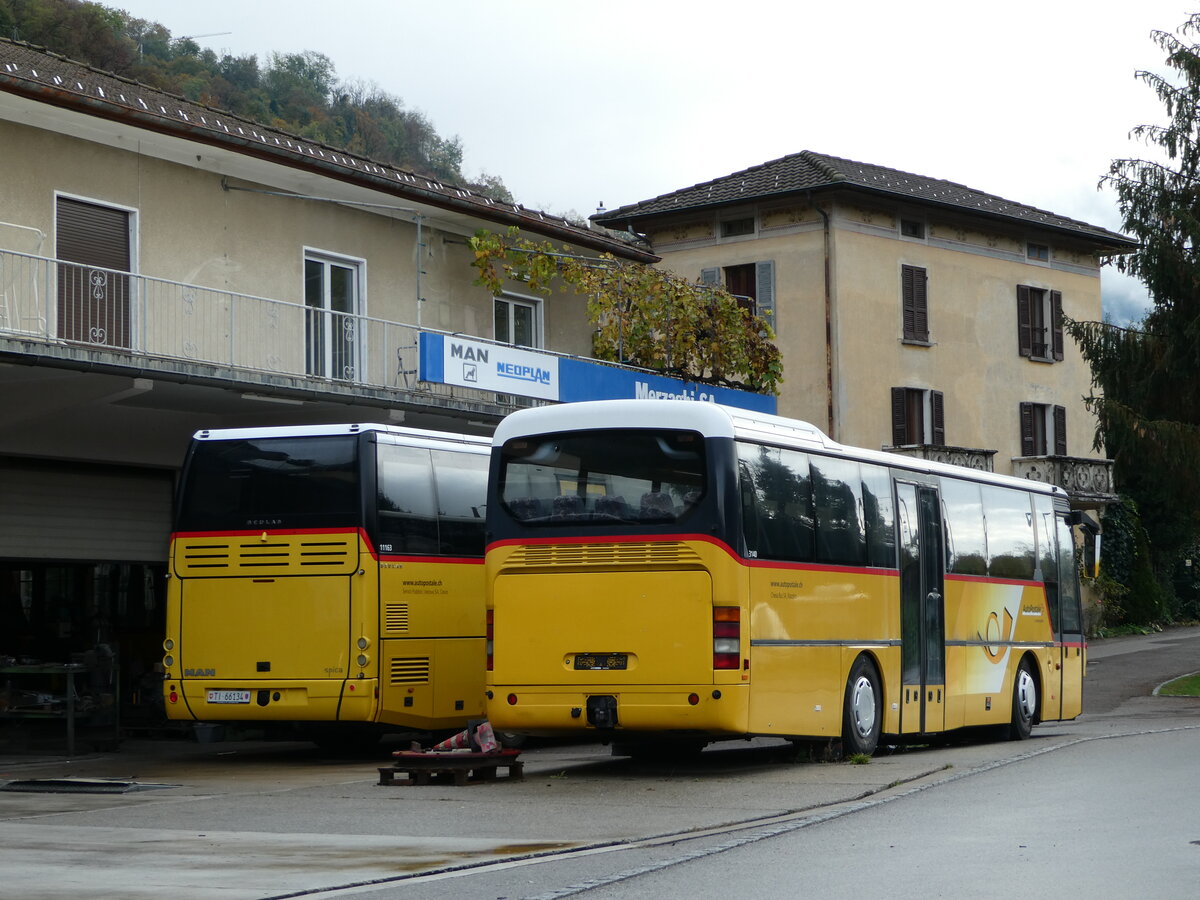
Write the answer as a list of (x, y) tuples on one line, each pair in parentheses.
[(601, 661), (228, 696)]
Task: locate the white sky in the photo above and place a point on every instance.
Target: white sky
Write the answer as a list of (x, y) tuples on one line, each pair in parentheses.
[(574, 103)]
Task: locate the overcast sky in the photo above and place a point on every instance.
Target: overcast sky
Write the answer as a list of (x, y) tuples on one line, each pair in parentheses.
[(573, 104)]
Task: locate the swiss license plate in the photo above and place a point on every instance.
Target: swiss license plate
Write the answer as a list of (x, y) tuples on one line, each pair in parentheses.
[(601, 661), (228, 696)]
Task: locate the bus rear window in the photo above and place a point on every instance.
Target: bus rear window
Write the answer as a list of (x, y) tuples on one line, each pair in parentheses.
[(602, 477), (279, 482)]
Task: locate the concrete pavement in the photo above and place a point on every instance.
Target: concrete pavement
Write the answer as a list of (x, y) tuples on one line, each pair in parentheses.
[(259, 819)]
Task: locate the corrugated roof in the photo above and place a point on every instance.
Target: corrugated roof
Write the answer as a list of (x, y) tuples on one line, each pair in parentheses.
[(39, 74), (809, 171)]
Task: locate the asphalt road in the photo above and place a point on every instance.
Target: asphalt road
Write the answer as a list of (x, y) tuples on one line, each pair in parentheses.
[(256, 820)]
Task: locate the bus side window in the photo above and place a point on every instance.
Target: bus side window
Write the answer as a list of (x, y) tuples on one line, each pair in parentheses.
[(878, 516), (966, 544), (407, 509), (1009, 516), (461, 480), (837, 494)]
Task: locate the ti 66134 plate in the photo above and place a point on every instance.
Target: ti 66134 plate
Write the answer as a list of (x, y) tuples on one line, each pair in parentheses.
[(228, 696), (601, 661)]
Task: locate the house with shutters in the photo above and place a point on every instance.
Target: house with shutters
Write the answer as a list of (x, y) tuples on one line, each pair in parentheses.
[(167, 267), (913, 314)]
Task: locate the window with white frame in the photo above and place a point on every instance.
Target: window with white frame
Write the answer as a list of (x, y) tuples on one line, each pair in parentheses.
[(333, 327), (518, 320)]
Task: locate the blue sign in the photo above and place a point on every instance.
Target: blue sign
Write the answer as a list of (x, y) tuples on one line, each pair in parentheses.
[(449, 359)]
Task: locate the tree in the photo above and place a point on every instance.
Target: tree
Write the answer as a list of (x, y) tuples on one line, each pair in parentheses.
[(1148, 377), (644, 316)]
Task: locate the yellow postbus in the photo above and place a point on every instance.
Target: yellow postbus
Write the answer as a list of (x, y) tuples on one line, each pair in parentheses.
[(328, 577), (666, 573)]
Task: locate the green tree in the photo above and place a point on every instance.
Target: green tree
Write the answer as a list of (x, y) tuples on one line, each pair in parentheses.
[(644, 316), (1147, 378)]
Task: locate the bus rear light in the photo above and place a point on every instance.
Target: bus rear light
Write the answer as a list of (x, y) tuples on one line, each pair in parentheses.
[(727, 637), (693, 699), (490, 639), (512, 699), (173, 696)]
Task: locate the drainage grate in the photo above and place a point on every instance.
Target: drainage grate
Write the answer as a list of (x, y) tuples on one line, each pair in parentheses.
[(77, 786)]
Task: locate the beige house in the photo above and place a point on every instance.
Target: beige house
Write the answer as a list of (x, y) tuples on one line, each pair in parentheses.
[(166, 267), (912, 313)]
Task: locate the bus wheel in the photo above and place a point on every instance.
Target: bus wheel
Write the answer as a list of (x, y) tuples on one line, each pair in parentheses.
[(862, 712), (1024, 702)]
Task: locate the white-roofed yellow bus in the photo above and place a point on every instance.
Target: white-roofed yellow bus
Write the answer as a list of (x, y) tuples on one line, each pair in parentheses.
[(669, 573), (328, 577)]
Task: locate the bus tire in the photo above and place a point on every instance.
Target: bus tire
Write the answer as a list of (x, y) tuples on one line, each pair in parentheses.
[(1024, 702), (862, 711)]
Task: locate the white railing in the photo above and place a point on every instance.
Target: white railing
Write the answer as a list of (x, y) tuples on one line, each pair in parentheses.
[(90, 308)]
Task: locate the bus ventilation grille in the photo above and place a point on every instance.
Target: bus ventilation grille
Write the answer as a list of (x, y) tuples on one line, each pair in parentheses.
[(409, 670), (623, 554), (263, 556), (395, 617)]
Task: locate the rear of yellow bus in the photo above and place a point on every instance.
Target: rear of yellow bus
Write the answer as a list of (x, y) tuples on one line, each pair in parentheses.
[(616, 604), (272, 591)]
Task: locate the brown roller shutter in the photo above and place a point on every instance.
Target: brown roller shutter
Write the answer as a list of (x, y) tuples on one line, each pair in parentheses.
[(1027, 447), (1056, 324), (937, 401), (1024, 321), (899, 417), (1060, 430), (92, 245)]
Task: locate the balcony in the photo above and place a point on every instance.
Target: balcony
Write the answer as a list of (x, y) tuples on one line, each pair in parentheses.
[(73, 315), (1088, 481), (969, 457)]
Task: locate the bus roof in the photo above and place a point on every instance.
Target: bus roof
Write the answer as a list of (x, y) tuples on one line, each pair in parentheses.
[(714, 420), (404, 433)]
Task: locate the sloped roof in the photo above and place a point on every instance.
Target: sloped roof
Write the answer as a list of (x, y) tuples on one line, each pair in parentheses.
[(38, 74), (809, 171)]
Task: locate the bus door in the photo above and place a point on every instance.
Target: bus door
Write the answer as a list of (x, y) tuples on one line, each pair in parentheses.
[(1071, 619), (922, 609)]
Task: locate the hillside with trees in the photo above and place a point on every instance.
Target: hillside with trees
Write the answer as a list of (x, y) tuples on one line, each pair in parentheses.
[(297, 92)]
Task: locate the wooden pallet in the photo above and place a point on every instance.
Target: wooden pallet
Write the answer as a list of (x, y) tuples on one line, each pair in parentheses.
[(462, 768)]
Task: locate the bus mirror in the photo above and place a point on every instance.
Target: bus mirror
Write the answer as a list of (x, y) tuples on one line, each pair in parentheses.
[(1075, 517)]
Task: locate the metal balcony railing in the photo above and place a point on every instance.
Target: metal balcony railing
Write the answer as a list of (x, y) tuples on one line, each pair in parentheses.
[(253, 339)]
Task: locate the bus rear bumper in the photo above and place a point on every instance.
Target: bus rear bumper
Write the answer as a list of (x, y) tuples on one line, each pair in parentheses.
[(691, 709), (314, 700)]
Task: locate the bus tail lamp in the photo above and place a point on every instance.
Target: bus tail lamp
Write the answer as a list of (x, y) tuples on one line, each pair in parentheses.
[(727, 637), (491, 633), (173, 695)]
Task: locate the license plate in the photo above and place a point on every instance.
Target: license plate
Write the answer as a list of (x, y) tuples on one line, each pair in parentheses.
[(601, 661), (228, 696)]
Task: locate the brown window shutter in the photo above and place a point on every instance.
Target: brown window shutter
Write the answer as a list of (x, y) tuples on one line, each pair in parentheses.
[(899, 417), (1024, 321), (914, 291), (937, 401), (1056, 323), (1027, 448), (1060, 431)]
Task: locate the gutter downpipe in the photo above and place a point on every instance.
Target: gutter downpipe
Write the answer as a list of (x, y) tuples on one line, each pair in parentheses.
[(828, 254)]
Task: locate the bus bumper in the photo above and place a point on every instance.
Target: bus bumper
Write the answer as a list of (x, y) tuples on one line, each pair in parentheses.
[(273, 701), (692, 709)]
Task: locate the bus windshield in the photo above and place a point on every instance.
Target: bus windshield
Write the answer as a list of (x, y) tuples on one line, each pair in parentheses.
[(602, 477), (277, 482)]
